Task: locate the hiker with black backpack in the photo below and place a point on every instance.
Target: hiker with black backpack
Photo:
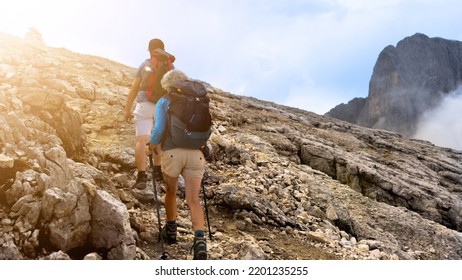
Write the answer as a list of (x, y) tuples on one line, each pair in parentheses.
[(182, 128), (147, 90)]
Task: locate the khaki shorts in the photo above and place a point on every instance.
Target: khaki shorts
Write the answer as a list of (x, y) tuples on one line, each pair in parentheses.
[(187, 162), (144, 115)]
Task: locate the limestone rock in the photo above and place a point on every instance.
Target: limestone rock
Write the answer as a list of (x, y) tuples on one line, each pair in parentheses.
[(9, 251), (6, 161), (110, 227), (66, 216)]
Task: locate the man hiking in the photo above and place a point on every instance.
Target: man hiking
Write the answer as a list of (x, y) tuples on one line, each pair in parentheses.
[(143, 86), (180, 155)]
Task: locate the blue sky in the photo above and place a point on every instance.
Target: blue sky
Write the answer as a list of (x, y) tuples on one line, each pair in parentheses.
[(309, 54)]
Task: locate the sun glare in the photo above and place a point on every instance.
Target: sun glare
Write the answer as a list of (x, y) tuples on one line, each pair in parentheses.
[(18, 16), (15, 17)]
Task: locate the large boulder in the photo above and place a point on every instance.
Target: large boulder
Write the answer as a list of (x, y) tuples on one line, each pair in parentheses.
[(66, 216), (110, 227)]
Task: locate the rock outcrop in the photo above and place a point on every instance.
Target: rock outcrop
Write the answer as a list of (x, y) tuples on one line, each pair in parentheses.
[(51, 202), (282, 184), (407, 81)]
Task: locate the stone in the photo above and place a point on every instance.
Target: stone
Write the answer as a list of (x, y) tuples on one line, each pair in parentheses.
[(9, 251), (59, 255), (92, 257), (110, 227), (67, 217), (6, 161)]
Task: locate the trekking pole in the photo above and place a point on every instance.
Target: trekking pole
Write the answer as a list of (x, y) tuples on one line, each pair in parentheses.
[(205, 206), (164, 254)]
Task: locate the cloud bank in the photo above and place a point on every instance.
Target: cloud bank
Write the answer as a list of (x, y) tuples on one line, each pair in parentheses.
[(442, 125)]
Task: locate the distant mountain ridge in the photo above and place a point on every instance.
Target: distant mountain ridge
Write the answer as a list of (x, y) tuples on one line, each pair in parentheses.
[(407, 81)]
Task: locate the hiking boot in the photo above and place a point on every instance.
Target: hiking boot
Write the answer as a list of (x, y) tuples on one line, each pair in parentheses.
[(168, 233), (158, 173), (199, 247), (141, 179)]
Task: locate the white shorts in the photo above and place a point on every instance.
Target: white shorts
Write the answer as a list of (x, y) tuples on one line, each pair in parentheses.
[(144, 115)]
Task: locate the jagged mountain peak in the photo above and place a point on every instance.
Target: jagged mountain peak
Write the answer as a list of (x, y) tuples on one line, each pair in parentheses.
[(408, 81)]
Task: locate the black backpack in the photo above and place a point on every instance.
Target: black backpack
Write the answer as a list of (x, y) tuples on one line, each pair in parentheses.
[(190, 121), (159, 64)]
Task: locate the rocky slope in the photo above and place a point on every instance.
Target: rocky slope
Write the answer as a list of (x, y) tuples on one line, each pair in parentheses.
[(283, 183), (407, 81)]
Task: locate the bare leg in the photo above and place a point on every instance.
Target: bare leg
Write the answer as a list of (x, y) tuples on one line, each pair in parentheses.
[(157, 156), (140, 152), (192, 189), (170, 197)]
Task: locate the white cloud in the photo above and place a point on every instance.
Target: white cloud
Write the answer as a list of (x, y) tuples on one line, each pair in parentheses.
[(442, 125)]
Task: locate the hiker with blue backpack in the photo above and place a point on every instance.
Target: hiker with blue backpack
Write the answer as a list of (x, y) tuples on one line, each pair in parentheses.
[(146, 90), (182, 128)]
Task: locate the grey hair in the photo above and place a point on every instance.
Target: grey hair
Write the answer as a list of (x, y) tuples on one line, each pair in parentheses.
[(172, 78)]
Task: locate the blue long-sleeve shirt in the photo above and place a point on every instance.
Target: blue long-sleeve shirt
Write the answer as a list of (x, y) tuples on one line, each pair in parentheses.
[(161, 120)]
